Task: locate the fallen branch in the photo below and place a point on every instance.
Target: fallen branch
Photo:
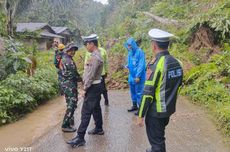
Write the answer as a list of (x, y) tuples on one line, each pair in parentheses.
[(162, 20)]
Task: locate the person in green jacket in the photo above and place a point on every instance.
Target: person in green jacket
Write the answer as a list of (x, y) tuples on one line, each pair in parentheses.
[(104, 72)]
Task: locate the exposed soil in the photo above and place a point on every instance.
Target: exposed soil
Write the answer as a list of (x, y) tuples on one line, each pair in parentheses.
[(203, 43), (117, 77)]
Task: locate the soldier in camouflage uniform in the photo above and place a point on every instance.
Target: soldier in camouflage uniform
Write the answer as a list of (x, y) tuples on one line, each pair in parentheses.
[(91, 93), (70, 77)]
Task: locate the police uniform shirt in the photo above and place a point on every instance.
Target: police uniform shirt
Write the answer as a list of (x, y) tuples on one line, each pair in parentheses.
[(93, 69)]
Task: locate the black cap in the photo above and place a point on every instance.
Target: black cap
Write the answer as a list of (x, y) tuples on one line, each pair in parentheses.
[(70, 47)]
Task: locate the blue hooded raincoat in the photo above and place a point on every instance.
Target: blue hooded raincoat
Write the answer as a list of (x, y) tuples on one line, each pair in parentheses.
[(137, 69)]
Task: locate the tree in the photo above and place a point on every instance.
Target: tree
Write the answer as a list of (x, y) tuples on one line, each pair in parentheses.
[(10, 7)]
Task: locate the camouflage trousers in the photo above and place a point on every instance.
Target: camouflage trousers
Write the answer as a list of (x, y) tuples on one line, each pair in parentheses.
[(71, 97), (59, 84)]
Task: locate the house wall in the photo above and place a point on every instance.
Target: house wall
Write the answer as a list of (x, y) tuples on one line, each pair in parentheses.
[(42, 44), (59, 40)]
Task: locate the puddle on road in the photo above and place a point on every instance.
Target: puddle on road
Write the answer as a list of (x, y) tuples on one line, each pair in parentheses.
[(29, 128)]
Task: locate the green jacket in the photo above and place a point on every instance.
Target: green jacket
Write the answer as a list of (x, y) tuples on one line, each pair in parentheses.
[(104, 57)]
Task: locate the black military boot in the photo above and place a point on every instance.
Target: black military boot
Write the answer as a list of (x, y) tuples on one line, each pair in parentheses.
[(68, 129), (76, 142), (96, 132), (133, 108)]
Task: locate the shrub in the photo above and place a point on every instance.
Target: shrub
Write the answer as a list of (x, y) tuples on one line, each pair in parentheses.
[(206, 85), (20, 94)]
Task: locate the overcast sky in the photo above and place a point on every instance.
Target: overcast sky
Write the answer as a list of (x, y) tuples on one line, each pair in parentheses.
[(102, 1)]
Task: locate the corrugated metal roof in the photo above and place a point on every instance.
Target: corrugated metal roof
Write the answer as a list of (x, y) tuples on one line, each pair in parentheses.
[(58, 30), (31, 27), (47, 34)]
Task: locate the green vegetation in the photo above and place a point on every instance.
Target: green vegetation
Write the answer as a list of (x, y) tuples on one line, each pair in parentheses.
[(2, 24), (202, 44), (19, 92), (15, 58), (206, 84)]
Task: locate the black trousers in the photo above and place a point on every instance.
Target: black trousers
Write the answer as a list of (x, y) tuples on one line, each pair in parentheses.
[(91, 106), (155, 128), (104, 89)]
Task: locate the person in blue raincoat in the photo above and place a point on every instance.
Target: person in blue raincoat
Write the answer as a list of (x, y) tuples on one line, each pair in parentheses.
[(137, 72)]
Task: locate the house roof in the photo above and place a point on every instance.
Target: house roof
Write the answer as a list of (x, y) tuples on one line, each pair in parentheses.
[(59, 30), (31, 27), (48, 34)]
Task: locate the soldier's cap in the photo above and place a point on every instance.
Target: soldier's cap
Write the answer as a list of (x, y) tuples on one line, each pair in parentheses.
[(160, 35), (71, 47), (90, 38)]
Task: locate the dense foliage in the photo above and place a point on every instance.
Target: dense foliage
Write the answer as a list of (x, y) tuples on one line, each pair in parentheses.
[(2, 24), (15, 58), (19, 92), (207, 84)]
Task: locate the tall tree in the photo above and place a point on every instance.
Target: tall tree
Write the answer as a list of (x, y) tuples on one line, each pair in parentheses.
[(10, 7)]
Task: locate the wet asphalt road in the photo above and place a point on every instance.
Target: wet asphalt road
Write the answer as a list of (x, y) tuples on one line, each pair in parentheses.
[(189, 130)]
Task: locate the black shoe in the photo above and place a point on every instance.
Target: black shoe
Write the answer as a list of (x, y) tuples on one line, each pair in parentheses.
[(68, 129), (136, 113), (149, 150), (96, 132), (76, 142), (133, 108)]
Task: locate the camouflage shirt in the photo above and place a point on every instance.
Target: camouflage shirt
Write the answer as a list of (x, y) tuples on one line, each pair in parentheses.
[(69, 69)]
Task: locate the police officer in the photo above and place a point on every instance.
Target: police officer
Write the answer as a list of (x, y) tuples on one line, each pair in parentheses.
[(91, 93), (70, 77), (104, 72), (137, 66), (164, 77)]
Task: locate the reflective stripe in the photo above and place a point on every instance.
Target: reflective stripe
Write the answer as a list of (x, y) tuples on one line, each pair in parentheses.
[(181, 64), (96, 82), (159, 68), (162, 91), (143, 103)]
